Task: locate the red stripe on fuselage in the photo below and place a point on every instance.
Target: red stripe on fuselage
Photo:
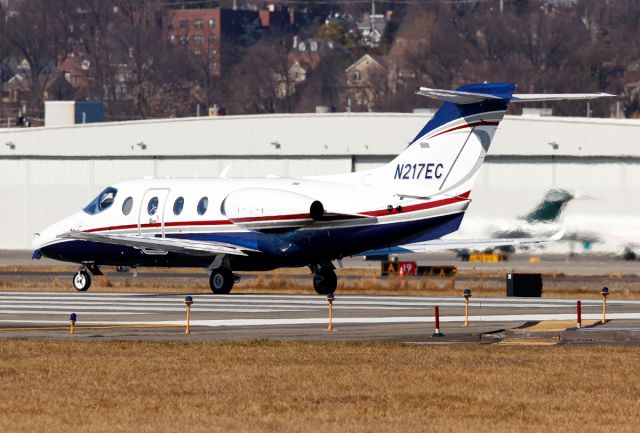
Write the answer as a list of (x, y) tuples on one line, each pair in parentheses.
[(168, 224), (420, 206)]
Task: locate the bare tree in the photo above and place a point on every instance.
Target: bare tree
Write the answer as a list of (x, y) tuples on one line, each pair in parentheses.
[(36, 32), (261, 83)]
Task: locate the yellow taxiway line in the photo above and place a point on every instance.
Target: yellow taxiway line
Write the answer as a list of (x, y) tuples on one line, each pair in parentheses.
[(556, 325), (528, 342)]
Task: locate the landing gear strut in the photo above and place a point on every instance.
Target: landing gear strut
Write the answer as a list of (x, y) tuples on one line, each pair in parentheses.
[(221, 280), (325, 280), (82, 281)]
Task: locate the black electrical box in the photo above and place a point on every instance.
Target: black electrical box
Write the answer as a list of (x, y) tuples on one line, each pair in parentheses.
[(524, 285)]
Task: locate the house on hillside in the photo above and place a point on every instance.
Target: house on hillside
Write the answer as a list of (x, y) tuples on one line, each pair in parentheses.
[(367, 80), (296, 75), (303, 59)]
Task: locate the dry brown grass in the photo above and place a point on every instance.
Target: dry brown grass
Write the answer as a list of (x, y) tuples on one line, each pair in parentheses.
[(282, 387)]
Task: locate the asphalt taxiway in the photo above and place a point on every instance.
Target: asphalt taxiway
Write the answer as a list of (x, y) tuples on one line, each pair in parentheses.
[(409, 319)]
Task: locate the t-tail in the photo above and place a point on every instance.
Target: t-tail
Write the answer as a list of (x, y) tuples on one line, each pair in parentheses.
[(445, 156)]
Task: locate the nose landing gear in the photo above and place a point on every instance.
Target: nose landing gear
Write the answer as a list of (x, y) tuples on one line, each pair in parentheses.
[(82, 281)]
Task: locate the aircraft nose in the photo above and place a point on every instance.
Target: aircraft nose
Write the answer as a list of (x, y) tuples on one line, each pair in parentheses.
[(41, 238), (35, 241)]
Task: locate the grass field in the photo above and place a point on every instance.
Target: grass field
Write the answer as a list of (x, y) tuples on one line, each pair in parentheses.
[(367, 281), (329, 387)]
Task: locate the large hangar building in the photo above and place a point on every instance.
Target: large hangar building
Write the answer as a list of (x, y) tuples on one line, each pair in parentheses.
[(50, 172)]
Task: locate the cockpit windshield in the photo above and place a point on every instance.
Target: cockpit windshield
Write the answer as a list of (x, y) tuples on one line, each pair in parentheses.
[(103, 201)]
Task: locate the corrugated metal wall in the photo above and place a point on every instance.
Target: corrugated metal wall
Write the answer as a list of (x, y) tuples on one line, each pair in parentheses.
[(52, 172)]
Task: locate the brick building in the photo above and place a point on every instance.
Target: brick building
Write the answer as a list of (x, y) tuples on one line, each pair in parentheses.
[(199, 32)]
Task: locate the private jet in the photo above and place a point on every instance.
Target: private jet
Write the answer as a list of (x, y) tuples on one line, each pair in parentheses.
[(258, 224)]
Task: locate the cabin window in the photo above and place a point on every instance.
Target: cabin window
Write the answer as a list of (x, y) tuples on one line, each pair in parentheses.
[(152, 207), (103, 201), (127, 205), (202, 205), (178, 205)]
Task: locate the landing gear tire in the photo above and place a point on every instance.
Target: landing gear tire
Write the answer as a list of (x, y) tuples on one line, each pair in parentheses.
[(221, 281), (82, 281), (325, 282)]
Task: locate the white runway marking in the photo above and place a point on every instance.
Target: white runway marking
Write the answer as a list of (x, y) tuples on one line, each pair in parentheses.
[(282, 310), (507, 318)]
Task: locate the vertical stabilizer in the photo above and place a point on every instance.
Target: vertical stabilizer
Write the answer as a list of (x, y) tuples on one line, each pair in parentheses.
[(445, 156)]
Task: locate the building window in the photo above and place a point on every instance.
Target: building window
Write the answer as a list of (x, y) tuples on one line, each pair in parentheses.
[(198, 40), (197, 24), (212, 39), (356, 76), (314, 46), (184, 24), (170, 25), (302, 46), (212, 23), (197, 52), (184, 39), (172, 39)]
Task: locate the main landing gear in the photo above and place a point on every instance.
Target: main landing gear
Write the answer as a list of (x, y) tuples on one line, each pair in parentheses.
[(325, 280), (221, 280)]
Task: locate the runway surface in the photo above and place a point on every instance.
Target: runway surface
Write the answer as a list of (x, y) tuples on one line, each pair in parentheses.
[(356, 318)]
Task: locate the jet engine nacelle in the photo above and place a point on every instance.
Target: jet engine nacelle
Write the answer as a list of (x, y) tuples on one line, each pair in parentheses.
[(266, 209)]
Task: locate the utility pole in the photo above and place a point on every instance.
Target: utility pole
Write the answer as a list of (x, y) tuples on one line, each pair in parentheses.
[(373, 12)]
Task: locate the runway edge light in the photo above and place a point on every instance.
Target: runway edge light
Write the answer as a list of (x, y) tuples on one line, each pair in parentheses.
[(72, 323), (188, 301), (467, 295), (604, 293), (330, 299)]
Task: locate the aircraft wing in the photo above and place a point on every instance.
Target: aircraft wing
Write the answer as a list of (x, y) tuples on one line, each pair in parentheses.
[(185, 246), (456, 244)]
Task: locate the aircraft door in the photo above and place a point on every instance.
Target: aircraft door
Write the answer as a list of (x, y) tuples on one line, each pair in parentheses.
[(152, 212)]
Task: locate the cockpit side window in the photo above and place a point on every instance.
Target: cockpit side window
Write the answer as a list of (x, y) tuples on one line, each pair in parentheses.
[(103, 201)]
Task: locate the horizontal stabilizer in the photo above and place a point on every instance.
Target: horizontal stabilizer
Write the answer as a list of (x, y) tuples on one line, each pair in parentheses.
[(457, 244), (537, 97), (176, 245), (455, 96), (463, 98)]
